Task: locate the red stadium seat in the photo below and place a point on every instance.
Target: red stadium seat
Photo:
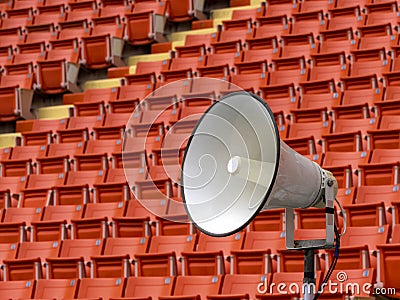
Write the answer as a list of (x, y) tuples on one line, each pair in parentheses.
[(104, 288), (55, 288), (145, 287), (210, 252), (20, 289), (195, 287), (72, 257)]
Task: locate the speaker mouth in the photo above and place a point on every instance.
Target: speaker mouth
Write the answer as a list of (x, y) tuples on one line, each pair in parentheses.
[(234, 165)]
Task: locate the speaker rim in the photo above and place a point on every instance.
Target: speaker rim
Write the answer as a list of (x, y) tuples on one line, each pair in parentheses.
[(274, 176)]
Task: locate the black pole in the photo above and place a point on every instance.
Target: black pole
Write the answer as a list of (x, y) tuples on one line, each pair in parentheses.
[(309, 274)]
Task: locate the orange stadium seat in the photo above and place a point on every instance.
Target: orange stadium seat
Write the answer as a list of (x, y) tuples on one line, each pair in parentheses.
[(145, 287), (55, 288), (20, 289)]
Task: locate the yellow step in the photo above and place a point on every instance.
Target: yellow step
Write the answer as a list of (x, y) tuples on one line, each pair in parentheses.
[(54, 112), (180, 36), (133, 60), (8, 139), (103, 83)]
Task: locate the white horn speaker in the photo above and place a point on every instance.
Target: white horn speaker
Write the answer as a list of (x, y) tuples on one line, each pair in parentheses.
[(235, 166)]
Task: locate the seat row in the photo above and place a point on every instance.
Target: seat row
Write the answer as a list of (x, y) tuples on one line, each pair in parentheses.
[(165, 288)]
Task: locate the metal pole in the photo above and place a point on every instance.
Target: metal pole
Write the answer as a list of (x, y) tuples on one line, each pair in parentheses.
[(309, 275)]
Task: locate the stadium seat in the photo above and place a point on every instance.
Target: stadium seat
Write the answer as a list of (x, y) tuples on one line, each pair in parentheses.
[(326, 66), (41, 131), (38, 189), (27, 265), (145, 287), (195, 287), (268, 26), (309, 21), (277, 8), (343, 17), (368, 210), (379, 13), (240, 286), (164, 255), (94, 222), (259, 254), (374, 36), (55, 288), (20, 289), (104, 288), (362, 61), (288, 70), (211, 253), (115, 258), (20, 161), (388, 256), (71, 261), (57, 158), (357, 250), (337, 40), (54, 223)]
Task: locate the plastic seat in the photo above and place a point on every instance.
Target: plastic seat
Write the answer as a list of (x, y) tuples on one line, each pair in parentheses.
[(252, 13), (38, 190), (259, 254), (297, 131), (195, 287), (370, 205), (16, 17), (280, 97), (249, 82), (145, 287), (112, 7), (78, 129), (288, 70), (365, 60), (54, 221), (113, 26), (41, 131), (55, 288), (15, 220), (20, 289), (346, 3), (210, 252), (313, 5), (144, 21), (384, 138), (82, 10), (272, 25), (57, 157), (389, 257), (115, 258), (379, 173), (96, 154), (305, 22), (192, 51), (261, 49), (358, 245), (199, 39), (113, 126), (240, 286), (325, 66), (100, 287), (343, 17), (276, 8), (337, 40), (91, 102), (72, 29), (298, 44), (49, 14), (73, 254), (163, 255), (129, 98), (20, 161), (27, 265), (135, 222), (379, 13), (94, 223), (385, 155), (342, 164), (375, 36), (11, 36), (10, 188), (143, 67)]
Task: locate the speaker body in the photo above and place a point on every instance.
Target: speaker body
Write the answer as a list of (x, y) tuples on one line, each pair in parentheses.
[(235, 166)]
